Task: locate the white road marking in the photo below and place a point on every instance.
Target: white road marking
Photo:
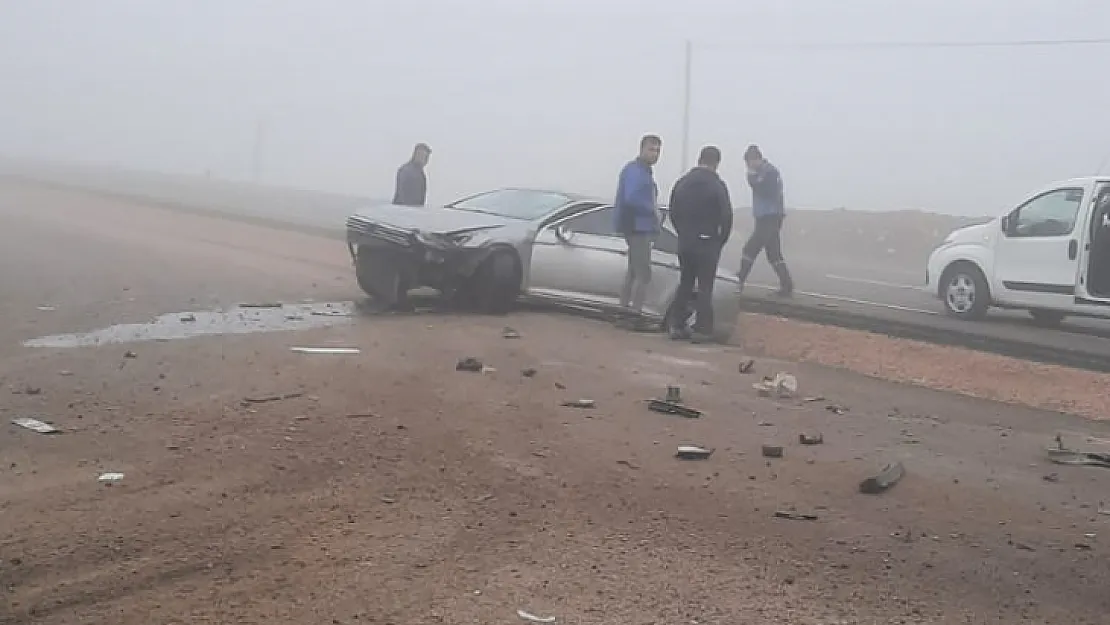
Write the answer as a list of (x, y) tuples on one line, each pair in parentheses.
[(889, 285), (852, 300)]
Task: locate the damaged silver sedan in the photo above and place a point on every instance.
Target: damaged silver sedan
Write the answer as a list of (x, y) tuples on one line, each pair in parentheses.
[(493, 249)]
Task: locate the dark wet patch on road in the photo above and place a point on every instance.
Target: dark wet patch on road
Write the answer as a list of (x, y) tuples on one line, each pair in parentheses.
[(243, 319)]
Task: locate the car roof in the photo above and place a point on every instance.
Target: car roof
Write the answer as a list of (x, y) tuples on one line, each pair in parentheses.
[(573, 197)]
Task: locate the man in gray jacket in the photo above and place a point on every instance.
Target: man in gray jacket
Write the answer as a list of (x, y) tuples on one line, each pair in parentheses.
[(412, 182), (769, 210)]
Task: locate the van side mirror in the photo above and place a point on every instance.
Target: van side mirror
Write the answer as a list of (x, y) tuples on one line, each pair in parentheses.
[(1005, 222)]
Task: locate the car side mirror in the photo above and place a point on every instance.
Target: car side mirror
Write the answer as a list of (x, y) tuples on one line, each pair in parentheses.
[(563, 234), (1005, 223)]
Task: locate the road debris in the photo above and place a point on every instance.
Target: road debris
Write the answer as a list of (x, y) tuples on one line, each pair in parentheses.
[(693, 452), (261, 305), (811, 439), (509, 333), (1051, 477), (772, 451), (579, 403), (269, 398), (795, 516), (363, 415), (109, 478), (325, 350), (532, 618), (810, 400), (46, 308), (1078, 458), (666, 407), (836, 409), (27, 389), (674, 395), (130, 354), (883, 480), (530, 372), (746, 366), (782, 384), (35, 425), (629, 464), (470, 364)]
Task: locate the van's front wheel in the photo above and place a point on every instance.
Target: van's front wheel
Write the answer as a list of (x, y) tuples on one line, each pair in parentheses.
[(964, 290)]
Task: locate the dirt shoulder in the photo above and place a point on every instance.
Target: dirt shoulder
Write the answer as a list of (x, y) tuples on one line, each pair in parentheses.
[(394, 488)]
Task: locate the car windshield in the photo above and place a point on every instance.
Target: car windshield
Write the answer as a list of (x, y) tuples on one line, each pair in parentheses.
[(513, 203)]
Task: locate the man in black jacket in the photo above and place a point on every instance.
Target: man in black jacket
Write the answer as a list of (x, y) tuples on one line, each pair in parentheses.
[(412, 182), (701, 211)]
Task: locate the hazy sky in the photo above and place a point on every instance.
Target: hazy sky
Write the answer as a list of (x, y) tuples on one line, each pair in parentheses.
[(558, 93)]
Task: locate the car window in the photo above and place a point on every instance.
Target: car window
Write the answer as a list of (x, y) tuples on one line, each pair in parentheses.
[(598, 222), (1052, 214), (513, 203)]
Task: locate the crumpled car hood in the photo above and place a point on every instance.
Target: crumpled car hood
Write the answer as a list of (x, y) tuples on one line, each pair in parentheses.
[(431, 219)]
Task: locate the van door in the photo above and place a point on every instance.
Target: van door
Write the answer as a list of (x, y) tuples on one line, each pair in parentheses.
[(1037, 256), (1093, 290)]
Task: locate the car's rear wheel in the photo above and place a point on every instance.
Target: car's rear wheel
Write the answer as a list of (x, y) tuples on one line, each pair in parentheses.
[(1047, 318), (495, 286), (964, 290)]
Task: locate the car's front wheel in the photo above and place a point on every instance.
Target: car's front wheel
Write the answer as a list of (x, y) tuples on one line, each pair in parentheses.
[(375, 277), (495, 286), (964, 290)]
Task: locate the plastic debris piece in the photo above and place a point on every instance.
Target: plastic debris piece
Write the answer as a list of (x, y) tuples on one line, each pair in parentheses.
[(580, 403), (109, 478), (35, 425), (325, 350), (883, 480), (532, 618), (693, 452)]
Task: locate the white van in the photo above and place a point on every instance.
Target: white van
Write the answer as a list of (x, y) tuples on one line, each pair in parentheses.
[(1050, 256)]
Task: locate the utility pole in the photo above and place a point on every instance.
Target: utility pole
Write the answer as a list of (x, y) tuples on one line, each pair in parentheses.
[(256, 152), (686, 106)]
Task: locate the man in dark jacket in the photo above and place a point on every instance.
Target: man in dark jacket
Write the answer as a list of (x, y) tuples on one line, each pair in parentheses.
[(636, 215), (701, 212), (412, 182), (769, 210)]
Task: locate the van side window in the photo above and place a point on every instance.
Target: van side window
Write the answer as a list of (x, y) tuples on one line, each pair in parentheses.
[(1052, 214)]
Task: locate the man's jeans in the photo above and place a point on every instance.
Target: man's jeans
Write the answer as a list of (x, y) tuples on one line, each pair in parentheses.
[(638, 275)]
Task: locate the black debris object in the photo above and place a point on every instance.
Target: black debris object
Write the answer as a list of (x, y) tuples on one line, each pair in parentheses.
[(693, 452), (580, 403), (747, 366), (836, 409), (795, 516), (666, 407), (269, 398), (674, 395), (883, 480), (811, 439), (130, 354), (509, 333), (772, 451), (1079, 458), (469, 364), (528, 373)]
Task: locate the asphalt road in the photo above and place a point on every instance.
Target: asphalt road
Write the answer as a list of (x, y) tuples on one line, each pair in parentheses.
[(889, 295)]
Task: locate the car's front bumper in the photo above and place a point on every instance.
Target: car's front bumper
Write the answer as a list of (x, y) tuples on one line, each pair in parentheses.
[(430, 260)]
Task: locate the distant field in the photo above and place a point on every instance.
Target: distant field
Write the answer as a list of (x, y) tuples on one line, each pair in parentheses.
[(900, 239)]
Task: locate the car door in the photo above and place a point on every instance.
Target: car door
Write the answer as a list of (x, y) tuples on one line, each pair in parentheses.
[(580, 257), (1093, 290), (1037, 256)]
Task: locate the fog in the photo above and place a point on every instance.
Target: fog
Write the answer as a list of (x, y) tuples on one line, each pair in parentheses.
[(332, 95)]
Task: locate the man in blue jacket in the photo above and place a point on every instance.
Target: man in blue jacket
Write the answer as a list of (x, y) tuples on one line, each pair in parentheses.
[(637, 218), (769, 210)]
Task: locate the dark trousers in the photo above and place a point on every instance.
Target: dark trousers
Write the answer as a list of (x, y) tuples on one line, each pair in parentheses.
[(767, 236), (697, 261)]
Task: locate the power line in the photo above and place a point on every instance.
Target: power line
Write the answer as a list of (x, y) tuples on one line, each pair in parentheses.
[(1012, 43)]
